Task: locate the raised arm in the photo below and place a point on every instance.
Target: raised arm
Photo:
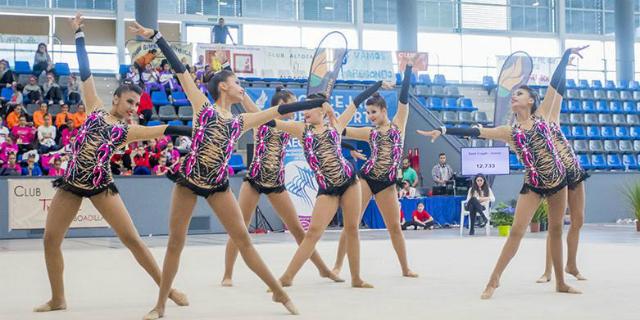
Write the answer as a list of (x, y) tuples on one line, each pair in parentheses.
[(501, 133), (552, 102), (249, 105), (138, 133), (252, 120), (195, 96), (400, 119), (89, 93), (345, 117)]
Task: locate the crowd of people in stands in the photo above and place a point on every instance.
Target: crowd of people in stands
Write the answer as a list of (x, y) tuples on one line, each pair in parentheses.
[(39, 121)]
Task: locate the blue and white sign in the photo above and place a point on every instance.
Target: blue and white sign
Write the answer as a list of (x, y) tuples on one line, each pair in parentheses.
[(487, 161)]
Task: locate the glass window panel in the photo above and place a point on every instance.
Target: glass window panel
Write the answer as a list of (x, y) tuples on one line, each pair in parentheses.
[(379, 40), (592, 56), (489, 17), (536, 47), (482, 50), (312, 36), (254, 34), (443, 48), (272, 9)]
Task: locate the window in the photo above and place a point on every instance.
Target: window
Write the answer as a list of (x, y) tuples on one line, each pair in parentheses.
[(484, 14), (532, 16), (379, 40), (271, 9), (380, 11), (85, 4), (283, 36), (312, 36), (213, 7), (437, 14), (326, 10)]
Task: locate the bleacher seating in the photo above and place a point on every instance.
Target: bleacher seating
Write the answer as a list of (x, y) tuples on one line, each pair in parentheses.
[(236, 163), (167, 113), (22, 67), (159, 98)]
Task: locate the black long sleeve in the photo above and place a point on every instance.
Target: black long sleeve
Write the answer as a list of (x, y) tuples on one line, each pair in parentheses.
[(406, 83), (300, 106), (178, 131), (559, 78), (171, 56), (83, 57), (360, 98), (461, 132)]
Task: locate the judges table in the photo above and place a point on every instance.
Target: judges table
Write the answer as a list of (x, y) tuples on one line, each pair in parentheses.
[(443, 209)]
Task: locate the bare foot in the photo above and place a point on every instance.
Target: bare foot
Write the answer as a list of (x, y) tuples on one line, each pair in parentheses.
[(331, 275), (575, 273), (409, 274), (226, 282), (154, 314), (361, 284), (544, 278), (286, 302), (51, 306), (336, 271), (567, 289), (282, 284), (489, 290), (178, 297), (285, 282)]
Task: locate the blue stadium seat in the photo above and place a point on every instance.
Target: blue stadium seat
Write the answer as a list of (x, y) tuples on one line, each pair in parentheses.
[(575, 106), (62, 69), (439, 80), (124, 68), (630, 161), (236, 163), (593, 133), (616, 106), (451, 104), (634, 133), (607, 132), (159, 98), (413, 80), (578, 132), (180, 99), (435, 103), (466, 104), (622, 133), (398, 78), (630, 107), (190, 123), (571, 84), (634, 85), (566, 130), (563, 107), (610, 85), (596, 84), (583, 84), (514, 163), (584, 161), (424, 79), (423, 101), (22, 67), (614, 162), (488, 83), (589, 106), (602, 106), (622, 84), (175, 123), (598, 161), (154, 123), (6, 93)]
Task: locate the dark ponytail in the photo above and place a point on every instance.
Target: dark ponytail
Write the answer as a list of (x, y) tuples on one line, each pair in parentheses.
[(376, 100), (281, 96), (534, 95), (213, 79)]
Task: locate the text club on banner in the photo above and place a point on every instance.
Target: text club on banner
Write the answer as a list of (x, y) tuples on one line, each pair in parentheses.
[(29, 201), (420, 64), (294, 63), (143, 51), (340, 99), (300, 182)]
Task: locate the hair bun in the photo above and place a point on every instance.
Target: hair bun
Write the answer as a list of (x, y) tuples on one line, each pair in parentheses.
[(279, 88), (376, 95)]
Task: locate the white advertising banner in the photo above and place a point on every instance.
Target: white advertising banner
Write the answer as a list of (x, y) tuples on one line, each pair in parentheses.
[(29, 201)]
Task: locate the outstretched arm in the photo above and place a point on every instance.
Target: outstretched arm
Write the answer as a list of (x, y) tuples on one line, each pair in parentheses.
[(138, 133), (400, 119), (252, 120), (500, 133), (361, 134), (89, 93), (345, 117), (196, 97)]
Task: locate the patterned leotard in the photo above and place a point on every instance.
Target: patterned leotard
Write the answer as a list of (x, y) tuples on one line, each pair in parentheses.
[(266, 171), (205, 168), (545, 173), (381, 168), (89, 170), (334, 174), (575, 172)]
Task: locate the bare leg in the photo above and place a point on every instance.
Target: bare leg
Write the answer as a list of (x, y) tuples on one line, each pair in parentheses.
[(342, 244), (281, 202), (323, 211), (525, 208), (182, 203), (557, 207), (576, 210), (228, 212), (387, 201), (350, 203), (64, 207), (248, 201), (546, 276)]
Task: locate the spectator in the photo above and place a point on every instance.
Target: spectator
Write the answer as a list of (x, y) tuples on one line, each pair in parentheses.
[(63, 116), (32, 169), (202, 86), (172, 154), (407, 191), (13, 118), (16, 97), (6, 148), (47, 136), (6, 75), (25, 135), (153, 147), (408, 174), (149, 76), (143, 63), (79, 117), (32, 90), (421, 218), (145, 107), (162, 168), (73, 87), (140, 158), (56, 169), (183, 144), (220, 33), (42, 60), (38, 115), (200, 64), (133, 75), (67, 133), (166, 79), (52, 90), (11, 168), (4, 131), (442, 172), (478, 199)]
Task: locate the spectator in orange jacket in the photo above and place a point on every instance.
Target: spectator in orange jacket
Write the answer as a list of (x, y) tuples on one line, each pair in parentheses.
[(80, 116), (13, 118), (61, 118), (38, 115)]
